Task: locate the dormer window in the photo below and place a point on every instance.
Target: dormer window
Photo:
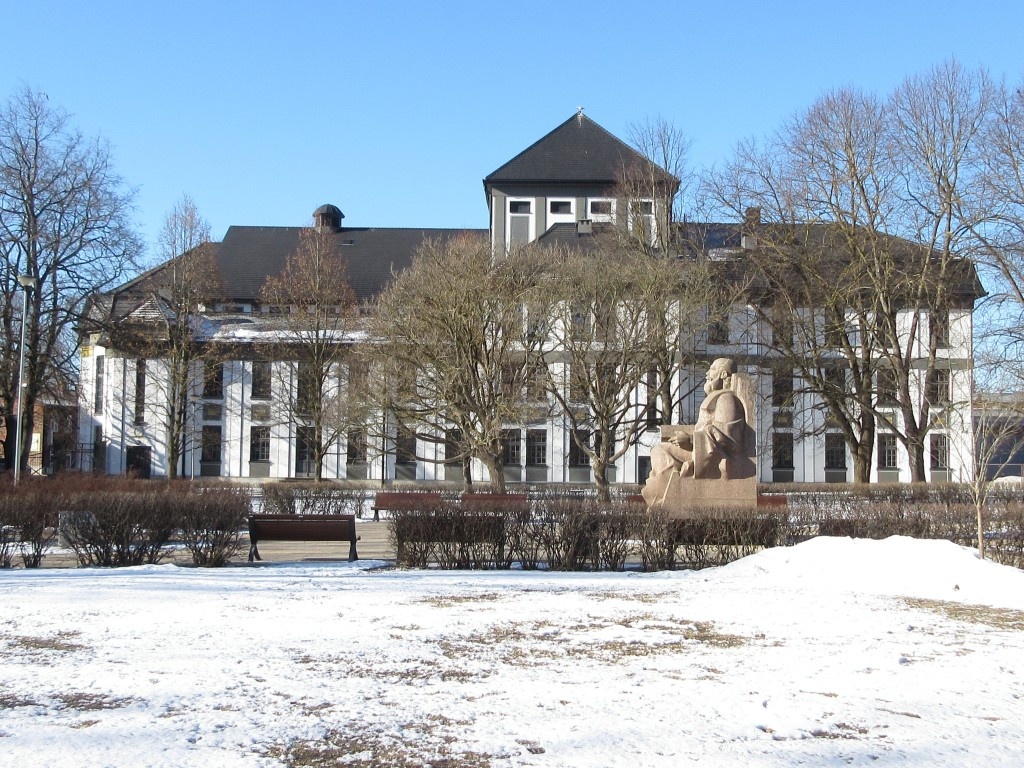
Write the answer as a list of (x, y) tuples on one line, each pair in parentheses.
[(560, 207)]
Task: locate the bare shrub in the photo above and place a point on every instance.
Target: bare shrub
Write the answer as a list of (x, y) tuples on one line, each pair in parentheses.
[(212, 520), (323, 498), (568, 531), (655, 539), (717, 536), (121, 528), (28, 516), (452, 536)]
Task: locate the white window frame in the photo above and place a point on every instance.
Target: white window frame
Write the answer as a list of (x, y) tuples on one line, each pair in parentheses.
[(653, 215), (605, 218), (561, 218), (531, 216)]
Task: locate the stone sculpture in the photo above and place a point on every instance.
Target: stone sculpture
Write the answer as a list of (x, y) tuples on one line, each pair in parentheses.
[(710, 463)]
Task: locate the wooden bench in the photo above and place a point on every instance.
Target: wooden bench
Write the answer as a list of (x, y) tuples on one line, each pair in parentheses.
[(395, 501), (492, 503), (302, 528)]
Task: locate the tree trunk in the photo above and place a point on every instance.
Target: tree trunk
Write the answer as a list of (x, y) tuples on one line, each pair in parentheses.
[(11, 424), (915, 450), (604, 492), (981, 530), (496, 471)]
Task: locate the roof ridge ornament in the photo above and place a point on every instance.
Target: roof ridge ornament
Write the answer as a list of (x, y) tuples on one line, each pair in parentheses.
[(579, 115)]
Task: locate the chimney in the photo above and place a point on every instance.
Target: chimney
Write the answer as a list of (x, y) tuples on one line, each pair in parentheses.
[(751, 221), (584, 227)]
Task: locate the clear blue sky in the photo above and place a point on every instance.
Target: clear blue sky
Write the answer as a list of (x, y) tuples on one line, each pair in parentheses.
[(395, 111)]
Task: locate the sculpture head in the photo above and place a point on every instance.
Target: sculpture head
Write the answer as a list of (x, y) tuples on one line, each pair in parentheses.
[(719, 374)]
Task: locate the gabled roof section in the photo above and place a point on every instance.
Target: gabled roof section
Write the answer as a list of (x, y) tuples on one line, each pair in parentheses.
[(577, 151)]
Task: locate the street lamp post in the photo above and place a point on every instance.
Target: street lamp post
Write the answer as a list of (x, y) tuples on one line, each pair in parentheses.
[(28, 283)]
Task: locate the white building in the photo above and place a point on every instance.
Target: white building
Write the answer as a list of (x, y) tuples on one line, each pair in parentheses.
[(559, 189)]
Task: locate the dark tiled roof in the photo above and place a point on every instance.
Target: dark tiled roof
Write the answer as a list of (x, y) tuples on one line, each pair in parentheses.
[(249, 255), (579, 150)]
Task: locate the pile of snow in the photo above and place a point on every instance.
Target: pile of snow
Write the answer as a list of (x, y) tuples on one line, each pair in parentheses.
[(898, 565), (833, 652)]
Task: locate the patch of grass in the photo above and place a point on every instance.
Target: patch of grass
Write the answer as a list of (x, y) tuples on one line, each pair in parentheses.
[(447, 601), (1000, 618), (78, 701), (405, 671), (13, 701), (358, 746), (92, 702), (533, 644), (62, 642)]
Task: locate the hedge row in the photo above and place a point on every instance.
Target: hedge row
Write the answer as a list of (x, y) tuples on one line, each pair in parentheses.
[(573, 533), (116, 522), (568, 533)]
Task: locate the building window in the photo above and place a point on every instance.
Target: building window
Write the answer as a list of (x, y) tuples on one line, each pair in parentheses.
[(602, 210), (835, 327), (536, 447), (641, 219), (259, 444), (938, 386), (520, 222), (511, 447), (560, 207), (782, 328), (260, 380), (782, 388), (718, 330), (834, 381), (577, 456), (213, 381), (835, 451), (305, 391), (782, 450), (885, 384), (938, 328), (405, 446), (887, 455), (305, 464), (212, 412), (98, 394), (939, 452), (653, 416), (211, 445), (356, 447), (579, 381), (453, 447), (140, 391)]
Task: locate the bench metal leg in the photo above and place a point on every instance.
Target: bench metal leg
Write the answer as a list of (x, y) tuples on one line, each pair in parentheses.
[(352, 555), (253, 552)]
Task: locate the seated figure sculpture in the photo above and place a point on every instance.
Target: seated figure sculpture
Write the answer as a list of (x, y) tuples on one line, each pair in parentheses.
[(718, 449)]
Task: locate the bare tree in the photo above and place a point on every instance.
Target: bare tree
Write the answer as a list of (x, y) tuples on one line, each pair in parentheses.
[(317, 313), (867, 219), (613, 313), (821, 186), (657, 192), (64, 221), (452, 350), (188, 284)]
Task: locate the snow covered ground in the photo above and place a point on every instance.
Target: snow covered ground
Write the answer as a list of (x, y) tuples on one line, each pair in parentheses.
[(833, 652)]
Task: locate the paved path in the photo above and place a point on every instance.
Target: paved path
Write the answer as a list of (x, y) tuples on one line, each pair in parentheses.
[(373, 545)]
